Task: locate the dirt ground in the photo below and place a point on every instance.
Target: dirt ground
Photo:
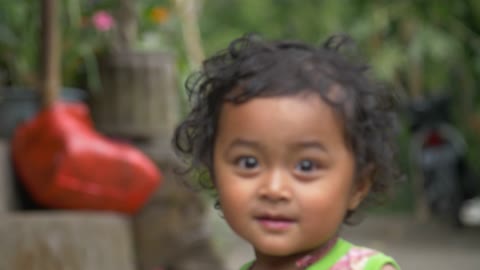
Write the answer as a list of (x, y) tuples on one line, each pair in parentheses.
[(415, 246)]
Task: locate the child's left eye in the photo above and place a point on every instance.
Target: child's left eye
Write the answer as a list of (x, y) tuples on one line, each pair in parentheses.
[(306, 166)]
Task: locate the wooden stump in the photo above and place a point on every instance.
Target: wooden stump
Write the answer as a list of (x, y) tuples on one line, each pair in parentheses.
[(170, 231)]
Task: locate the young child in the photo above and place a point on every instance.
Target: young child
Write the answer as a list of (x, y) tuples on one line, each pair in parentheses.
[(295, 138)]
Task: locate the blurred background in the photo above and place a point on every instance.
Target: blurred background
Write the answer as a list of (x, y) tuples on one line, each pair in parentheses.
[(127, 62)]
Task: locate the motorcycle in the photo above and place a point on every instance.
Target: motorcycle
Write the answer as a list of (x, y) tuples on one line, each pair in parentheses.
[(438, 152)]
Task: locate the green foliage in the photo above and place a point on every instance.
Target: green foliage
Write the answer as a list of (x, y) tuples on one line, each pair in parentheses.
[(393, 34), (81, 42), (18, 31), (20, 40)]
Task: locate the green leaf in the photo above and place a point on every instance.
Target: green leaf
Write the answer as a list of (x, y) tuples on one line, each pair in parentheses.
[(7, 37)]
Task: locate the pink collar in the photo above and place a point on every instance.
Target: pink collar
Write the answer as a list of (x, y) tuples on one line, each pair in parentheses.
[(310, 259)]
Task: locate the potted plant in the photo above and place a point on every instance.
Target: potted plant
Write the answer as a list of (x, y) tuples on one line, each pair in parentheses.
[(138, 73)]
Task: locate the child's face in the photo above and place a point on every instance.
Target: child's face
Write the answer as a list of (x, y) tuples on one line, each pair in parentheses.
[(284, 173)]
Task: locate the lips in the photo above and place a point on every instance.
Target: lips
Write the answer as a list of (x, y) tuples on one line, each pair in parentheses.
[(275, 222)]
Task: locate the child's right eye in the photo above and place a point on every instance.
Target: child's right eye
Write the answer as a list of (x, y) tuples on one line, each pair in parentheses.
[(247, 162)]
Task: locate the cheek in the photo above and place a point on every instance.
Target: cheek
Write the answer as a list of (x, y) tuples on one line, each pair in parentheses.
[(234, 202), (228, 188), (324, 205), (234, 193), (231, 193)]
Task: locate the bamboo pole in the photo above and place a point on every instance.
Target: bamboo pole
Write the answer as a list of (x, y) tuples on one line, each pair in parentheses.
[(50, 53), (188, 13)]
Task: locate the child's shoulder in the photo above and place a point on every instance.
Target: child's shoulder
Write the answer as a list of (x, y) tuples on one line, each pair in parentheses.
[(346, 256)]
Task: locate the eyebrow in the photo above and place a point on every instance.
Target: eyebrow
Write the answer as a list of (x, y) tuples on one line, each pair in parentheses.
[(297, 145), (243, 143), (309, 144)]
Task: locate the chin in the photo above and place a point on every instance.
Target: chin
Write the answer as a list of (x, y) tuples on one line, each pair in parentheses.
[(275, 250)]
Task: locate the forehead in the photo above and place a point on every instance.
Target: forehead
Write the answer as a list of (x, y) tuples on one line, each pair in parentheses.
[(334, 99), (280, 117)]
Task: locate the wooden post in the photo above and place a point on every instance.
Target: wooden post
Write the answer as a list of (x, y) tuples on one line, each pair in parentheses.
[(50, 52), (127, 24)]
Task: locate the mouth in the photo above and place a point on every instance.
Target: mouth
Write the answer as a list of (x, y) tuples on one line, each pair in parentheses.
[(275, 222)]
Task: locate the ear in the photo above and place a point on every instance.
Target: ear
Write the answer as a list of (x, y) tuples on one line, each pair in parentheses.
[(361, 187)]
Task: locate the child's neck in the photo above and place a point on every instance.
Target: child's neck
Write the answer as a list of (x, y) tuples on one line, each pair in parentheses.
[(276, 263), (293, 262)]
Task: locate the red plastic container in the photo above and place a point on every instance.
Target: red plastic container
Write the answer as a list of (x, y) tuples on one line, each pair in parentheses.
[(65, 164)]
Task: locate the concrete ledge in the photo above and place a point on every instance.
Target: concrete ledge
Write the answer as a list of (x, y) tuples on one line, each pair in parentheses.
[(65, 240)]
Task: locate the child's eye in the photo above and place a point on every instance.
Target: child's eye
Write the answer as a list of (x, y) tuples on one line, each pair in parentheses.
[(306, 166), (247, 162)]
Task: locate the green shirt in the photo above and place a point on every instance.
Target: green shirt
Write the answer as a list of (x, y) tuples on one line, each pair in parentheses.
[(345, 256)]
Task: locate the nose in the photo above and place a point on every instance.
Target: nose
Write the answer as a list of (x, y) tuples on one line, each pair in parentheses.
[(275, 187)]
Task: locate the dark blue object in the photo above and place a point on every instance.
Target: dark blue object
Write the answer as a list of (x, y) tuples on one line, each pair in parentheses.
[(20, 104)]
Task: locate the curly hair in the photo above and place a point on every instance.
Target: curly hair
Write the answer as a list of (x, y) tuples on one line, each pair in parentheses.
[(253, 67)]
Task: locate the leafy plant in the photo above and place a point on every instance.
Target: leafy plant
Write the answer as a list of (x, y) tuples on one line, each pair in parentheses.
[(19, 25), (89, 27), (83, 35)]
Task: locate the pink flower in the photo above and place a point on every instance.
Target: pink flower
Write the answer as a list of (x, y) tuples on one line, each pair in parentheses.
[(102, 21)]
